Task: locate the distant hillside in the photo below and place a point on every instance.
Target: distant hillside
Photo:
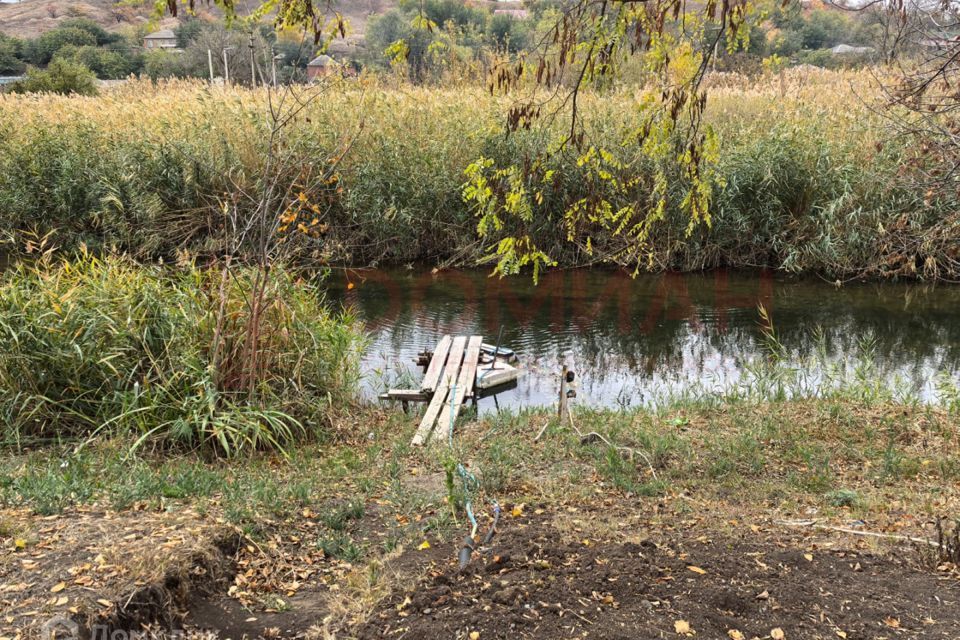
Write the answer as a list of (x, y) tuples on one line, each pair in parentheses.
[(29, 18)]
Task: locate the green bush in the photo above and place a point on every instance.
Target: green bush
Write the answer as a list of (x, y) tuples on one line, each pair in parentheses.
[(10, 51), (41, 50), (109, 346), (104, 63), (61, 76)]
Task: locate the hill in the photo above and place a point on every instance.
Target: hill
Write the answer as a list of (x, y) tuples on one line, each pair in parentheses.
[(29, 18)]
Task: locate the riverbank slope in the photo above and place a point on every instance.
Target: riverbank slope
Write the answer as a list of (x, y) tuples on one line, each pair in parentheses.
[(723, 518)]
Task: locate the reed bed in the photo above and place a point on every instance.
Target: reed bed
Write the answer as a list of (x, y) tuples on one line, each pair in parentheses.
[(808, 178), (91, 348)]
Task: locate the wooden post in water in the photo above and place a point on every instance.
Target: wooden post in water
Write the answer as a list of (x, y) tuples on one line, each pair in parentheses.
[(562, 405)]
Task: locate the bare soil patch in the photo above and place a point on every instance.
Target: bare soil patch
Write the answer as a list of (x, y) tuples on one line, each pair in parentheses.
[(115, 571), (544, 576), (535, 582)]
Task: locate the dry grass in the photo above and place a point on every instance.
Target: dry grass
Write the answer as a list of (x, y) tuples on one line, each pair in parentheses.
[(808, 180)]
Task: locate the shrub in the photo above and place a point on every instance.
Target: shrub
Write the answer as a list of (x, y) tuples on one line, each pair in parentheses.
[(10, 62), (108, 346), (62, 76), (41, 50), (104, 63)]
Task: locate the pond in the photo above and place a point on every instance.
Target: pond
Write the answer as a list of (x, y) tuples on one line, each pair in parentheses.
[(644, 340)]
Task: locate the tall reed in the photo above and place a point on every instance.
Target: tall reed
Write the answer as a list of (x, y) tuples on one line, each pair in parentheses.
[(91, 347), (807, 178)]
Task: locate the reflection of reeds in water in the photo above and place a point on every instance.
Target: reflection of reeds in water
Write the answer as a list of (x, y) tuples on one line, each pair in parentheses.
[(673, 335)]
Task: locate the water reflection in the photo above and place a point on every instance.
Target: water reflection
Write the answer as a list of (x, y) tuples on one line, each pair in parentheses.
[(637, 339)]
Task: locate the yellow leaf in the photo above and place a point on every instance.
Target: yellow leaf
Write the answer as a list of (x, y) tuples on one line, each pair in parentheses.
[(682, 626), (474, 635), (20, 543), (890, 621), (517, 511), (696, 569), (841, 634), (424, 545), (350, 285), (734, 634), (808, 556), (62, 600), (104, 603), (57, 588), (777, 633)]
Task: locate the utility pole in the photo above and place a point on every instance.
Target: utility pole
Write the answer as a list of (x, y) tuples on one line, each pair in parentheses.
[(210, 64), (226, 67), (253, 64)]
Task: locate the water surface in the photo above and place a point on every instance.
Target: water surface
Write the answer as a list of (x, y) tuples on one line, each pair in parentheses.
[(637, 341)]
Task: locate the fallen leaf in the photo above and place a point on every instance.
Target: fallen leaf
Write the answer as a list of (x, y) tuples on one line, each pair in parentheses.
[(735, 634), (57, 588), (682, 626), (808, 556), (777, 633), (424, 545), (517, 511), (890, 621), (474, 635), (20, 543), (105, 603), (696, 569), (62, 600), (841, 634)]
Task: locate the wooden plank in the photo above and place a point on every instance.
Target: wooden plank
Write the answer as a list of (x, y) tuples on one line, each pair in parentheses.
[(432, 376), (468, 373), (412, 395), (500, 373), (440, 395), (465, 379)]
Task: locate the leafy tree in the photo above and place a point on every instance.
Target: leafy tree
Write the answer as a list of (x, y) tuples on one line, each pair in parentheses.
[(509, 33), (104, 37), (159, 63), (785, 43), (588, 45), (41, 50), (441, 12), (61, 76), (387, 32), (824, 29), (188, 31), (10, 62), (105, 63)]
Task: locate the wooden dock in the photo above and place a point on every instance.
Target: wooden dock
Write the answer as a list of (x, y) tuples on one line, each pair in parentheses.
[(450, 380)]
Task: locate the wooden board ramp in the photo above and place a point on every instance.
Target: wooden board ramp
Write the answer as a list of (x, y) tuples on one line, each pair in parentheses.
[(449, 381)]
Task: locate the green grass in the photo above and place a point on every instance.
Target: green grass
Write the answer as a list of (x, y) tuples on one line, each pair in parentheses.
[(749, 455)]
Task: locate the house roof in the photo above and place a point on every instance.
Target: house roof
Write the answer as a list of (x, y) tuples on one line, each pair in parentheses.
[(163, 34), (322, 60), (846, 48), (513, 13)]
